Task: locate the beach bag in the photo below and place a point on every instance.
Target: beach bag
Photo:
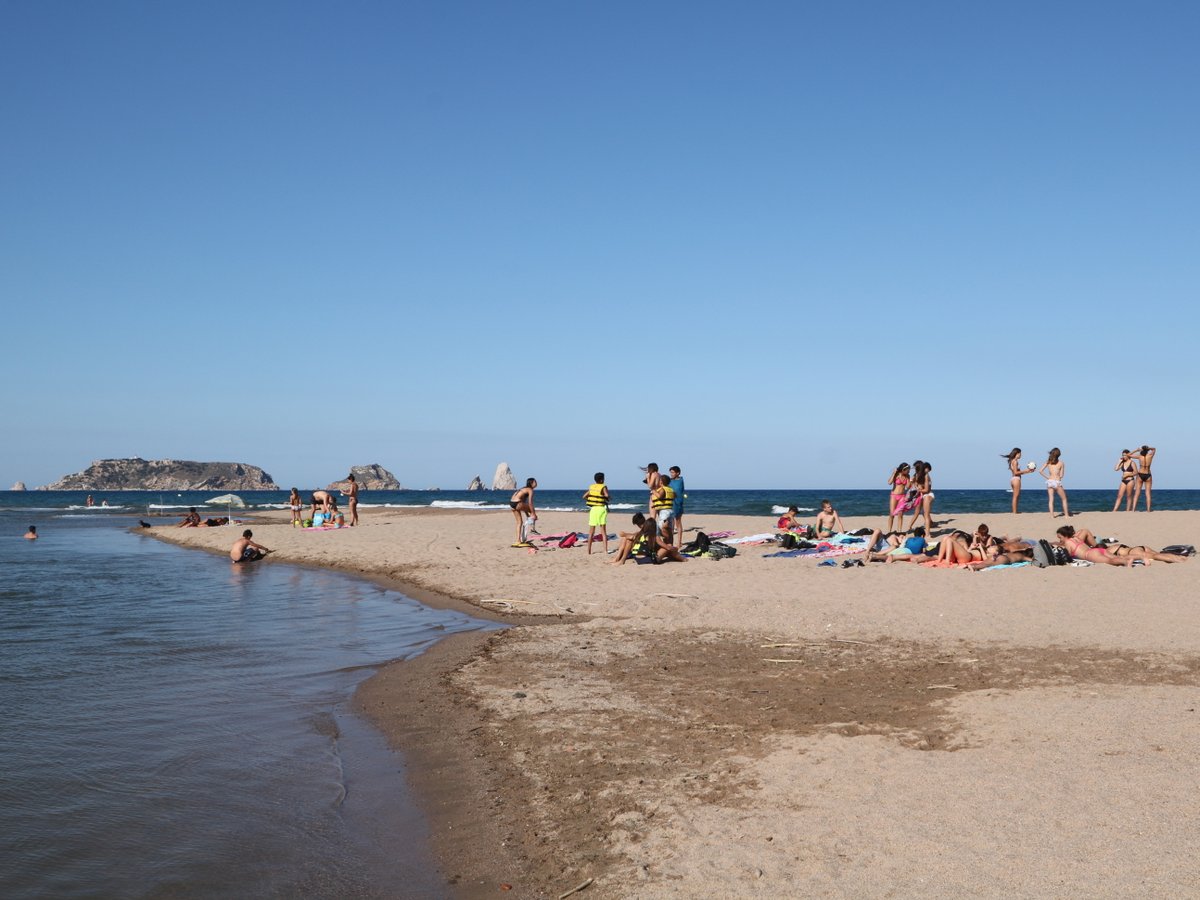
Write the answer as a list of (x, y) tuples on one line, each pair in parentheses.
[(1180, 550), (1062, 556), (717, 550), (788, 541), (1043, 554), (569, 541)]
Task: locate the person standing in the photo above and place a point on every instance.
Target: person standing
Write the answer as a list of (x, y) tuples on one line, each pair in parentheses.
[(521, 503), (295, 504), (1128, 469), (899, 487), (677, 510), (653, 481), (662, 502), (1053, 471), (596, 497), (31, 534), (1017, 473), (352, 493), (1145, 481)]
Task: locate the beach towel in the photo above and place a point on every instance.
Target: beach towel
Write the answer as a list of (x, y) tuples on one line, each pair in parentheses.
[(1007, 566), (749, 539), (817, 552)]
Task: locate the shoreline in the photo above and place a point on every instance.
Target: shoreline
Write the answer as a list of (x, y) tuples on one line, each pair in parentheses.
[(662, 716)]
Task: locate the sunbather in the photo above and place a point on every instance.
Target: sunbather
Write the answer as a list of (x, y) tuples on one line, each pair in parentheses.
[(1082, 544), (829, 522)]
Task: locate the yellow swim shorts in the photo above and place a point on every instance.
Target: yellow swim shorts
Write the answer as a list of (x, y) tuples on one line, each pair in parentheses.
[(597, 515)]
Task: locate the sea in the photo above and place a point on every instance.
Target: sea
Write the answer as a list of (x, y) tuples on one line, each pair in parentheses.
[(175, 726)]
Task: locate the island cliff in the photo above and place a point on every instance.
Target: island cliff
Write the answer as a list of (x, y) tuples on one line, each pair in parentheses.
[(138, 474)]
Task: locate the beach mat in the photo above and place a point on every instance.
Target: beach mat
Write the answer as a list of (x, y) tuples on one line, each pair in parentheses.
[(816, 553)]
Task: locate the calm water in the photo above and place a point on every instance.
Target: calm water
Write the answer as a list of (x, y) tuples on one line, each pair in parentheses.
[(178, 726), (742, 503)]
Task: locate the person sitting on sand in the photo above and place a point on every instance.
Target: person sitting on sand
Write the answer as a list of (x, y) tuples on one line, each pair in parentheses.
[(790, 520), (1082, 544), (646, 541), (829, 522), (31, 534), (246, 550), (191, 520)]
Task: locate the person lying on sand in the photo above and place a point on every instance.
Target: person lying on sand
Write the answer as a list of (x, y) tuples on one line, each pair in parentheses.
[(191, 520), (244, 549), (894, 547), (1120, 551), (1082, 544)]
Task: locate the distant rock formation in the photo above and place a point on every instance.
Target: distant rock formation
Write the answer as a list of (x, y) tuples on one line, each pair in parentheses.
[(370, 478), (138, 474), (19, 486), (504, 480), (476, 484)]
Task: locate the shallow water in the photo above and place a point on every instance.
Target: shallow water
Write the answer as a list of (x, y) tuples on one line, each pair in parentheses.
[(179, 726)]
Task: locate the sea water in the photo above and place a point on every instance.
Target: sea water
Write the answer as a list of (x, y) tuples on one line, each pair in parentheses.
[(766, 502), (175, 725)]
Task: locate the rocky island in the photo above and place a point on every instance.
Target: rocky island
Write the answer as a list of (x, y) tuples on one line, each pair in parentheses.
[(138, 474), (373, 477)]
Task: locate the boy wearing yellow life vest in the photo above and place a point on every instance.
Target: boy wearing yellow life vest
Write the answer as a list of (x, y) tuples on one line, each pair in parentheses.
[(662, 501), (596, 499)]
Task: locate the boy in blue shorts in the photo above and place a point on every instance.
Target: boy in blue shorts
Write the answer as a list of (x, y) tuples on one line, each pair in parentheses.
[(677, 507), (596, 499)]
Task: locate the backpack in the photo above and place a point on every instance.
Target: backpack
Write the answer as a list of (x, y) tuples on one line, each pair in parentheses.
[(1180, 550), (569, 541), (717, 550), (789, 541), (1062, 556), (699, 546), (1043, 554)]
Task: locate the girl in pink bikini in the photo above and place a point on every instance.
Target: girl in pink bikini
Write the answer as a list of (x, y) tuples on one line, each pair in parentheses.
[(899, 483)]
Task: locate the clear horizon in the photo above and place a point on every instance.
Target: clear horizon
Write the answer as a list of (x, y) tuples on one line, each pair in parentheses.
[(812, 241)]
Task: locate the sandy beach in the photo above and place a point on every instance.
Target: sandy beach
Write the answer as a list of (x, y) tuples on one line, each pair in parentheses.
[(768, 726)]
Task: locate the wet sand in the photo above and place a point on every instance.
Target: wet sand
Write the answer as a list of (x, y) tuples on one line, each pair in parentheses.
[(764, 725)]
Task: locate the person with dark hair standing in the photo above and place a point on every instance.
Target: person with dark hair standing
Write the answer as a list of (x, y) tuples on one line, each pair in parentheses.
[(676, 474), (899, 483), (1017, 473), (652, 481), (596, 497), (1053, 471), (1145, 481), (923, 482), (521, 503), (31, 534), (1128, 469), (352, 493)]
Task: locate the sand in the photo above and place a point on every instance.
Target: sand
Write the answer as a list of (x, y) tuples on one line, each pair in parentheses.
[(767, 726)]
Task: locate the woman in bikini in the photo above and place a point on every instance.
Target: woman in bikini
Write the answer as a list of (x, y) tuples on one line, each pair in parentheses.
[(924, 484), (1145, 481), (653, 481), (983, 545), (1128, 469), (899, 483), (955, 548), (521, 504), (1017, 473), (1053, 470), (1082, 545)]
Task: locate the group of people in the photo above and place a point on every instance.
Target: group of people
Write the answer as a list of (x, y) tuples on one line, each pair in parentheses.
[(1134, 466), (324, 506), (911, 492), (193, 520), (982, 549)]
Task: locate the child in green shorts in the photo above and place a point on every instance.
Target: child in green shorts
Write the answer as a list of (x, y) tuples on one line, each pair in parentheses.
[(596, 499)]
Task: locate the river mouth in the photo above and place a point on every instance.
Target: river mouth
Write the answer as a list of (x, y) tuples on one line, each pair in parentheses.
[(180, 726)]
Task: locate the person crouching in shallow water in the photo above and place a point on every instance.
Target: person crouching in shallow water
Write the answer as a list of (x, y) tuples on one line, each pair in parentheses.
[(31, 534), (246, 550)]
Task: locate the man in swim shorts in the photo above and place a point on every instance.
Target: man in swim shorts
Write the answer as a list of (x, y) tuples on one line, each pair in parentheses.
[(246, 550), (191, 520)]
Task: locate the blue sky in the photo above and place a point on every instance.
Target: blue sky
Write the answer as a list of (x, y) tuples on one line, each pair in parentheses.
[(781, 245)]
